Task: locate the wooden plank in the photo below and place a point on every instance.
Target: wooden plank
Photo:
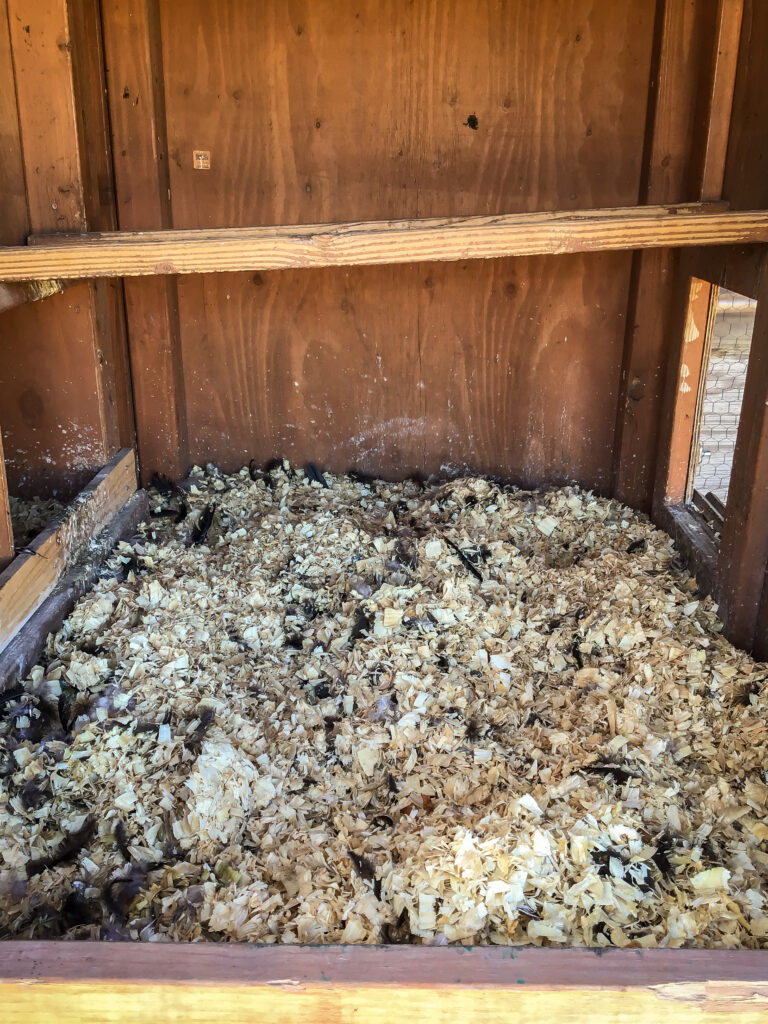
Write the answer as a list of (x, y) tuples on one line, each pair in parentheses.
[(128, 254), (744, 545), (33, 574), (60, 417), (681, 63), (89, 983), (108, 306), (40, 37), (686, 362), (746, 173), (14, 222), (6, 526), (137, 113), (718, 115), (21, 292)]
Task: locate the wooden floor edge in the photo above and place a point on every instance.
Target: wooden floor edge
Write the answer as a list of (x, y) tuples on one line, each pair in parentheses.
[(35, 572), (129, 254), (208, 963)]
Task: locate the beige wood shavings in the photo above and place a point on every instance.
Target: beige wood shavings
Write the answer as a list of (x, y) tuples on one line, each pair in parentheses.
[(382, 713), (29, 516)]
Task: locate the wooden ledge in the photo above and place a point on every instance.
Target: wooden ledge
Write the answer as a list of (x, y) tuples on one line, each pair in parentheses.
[(91, 982), (34, 573), (131, 254)]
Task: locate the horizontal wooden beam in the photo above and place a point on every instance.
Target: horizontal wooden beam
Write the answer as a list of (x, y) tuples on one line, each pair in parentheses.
[(34, 573), (216, 983), (139, 253), (18, 293)]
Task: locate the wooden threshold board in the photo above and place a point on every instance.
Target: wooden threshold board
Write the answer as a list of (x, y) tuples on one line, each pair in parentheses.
[(92, 982), (137, 253), (34, 573)]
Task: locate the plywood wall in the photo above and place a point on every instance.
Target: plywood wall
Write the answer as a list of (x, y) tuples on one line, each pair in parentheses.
[(64, 389), (538, 370), (338, 110)]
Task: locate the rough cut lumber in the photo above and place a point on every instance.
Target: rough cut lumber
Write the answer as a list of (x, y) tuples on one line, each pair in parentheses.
[(6, 527), (89, 983), (35, 572), (131, 254)]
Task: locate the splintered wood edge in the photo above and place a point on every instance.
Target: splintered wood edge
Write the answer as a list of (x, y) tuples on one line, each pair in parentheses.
[(212, 982), (33, 574), (127, 254)]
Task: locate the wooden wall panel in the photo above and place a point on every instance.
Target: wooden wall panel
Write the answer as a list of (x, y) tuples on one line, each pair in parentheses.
[(321, 110), (63, 374), (331, 110), (14, 221), (500, 381), (746, 172), (53, 430)]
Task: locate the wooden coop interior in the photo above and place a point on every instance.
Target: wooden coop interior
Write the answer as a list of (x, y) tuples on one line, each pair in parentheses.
[(412, 238)]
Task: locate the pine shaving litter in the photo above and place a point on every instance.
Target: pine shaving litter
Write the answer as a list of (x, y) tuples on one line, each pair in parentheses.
[(321, 726)]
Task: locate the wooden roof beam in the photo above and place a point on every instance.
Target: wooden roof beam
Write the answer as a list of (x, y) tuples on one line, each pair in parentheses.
[(148, 253)]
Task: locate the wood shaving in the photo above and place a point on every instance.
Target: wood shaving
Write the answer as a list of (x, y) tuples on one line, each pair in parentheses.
[(318, 725), (30, 516)]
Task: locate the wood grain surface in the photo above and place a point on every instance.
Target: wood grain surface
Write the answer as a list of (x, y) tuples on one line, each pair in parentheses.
[(90, 982), (33, 574), (336, 111), (305, 364)]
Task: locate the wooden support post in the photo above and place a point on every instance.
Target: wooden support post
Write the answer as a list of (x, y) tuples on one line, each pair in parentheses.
[(134, 72), (717, 119), (6, 526), (73, 330), (31, 576), (744, 544), (680, 63), (686, 361)]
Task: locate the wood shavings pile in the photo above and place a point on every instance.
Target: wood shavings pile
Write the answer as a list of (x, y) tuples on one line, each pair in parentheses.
[(29, 516), (375, 712)]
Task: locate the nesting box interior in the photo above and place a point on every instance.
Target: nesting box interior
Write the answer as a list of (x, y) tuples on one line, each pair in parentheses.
[(393, 338)]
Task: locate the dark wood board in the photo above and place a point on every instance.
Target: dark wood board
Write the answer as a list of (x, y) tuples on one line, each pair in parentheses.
[(746, 171), (14, 221)]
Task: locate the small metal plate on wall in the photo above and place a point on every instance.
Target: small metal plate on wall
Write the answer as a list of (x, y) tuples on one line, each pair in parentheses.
[(201, 159)]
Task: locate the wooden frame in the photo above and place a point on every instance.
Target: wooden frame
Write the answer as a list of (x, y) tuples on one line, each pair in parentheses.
[(34, 573), (217, 983), (148, 253), (6, 526)]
